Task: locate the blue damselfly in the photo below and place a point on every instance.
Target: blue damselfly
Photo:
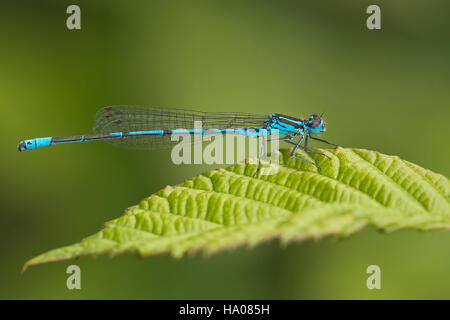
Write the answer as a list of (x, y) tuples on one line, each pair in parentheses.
[(139, 127)]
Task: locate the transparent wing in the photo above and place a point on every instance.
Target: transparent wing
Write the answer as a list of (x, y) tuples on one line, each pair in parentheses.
[(141, 118)]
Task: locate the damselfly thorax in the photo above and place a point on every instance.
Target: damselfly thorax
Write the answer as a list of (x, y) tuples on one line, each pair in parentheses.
[(285, 124)]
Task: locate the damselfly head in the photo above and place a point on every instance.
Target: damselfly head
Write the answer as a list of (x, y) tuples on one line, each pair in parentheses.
[(315, 124)]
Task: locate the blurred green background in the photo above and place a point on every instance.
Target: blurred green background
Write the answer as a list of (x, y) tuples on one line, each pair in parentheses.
[(385, 90)]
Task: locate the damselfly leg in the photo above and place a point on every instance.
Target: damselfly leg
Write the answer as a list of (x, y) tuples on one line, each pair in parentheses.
[(324, 141), (262, 151), (312, 151), (294, 156), (263, 147)]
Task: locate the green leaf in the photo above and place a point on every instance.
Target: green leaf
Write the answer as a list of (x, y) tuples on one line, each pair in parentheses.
[(224, 208)]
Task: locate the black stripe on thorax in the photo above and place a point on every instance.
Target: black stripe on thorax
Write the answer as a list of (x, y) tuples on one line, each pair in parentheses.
[(297, 124)]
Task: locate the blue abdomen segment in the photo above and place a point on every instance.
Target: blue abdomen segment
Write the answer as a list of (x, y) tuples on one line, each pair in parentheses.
[(35, 143)]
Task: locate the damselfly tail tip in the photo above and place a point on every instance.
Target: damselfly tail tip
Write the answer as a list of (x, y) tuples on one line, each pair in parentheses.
[(21, 146)]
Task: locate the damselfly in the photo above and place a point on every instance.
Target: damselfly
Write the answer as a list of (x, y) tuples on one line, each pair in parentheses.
[(151, 128)]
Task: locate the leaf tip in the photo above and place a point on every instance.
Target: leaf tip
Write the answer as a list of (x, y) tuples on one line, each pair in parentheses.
[(24, 268)]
